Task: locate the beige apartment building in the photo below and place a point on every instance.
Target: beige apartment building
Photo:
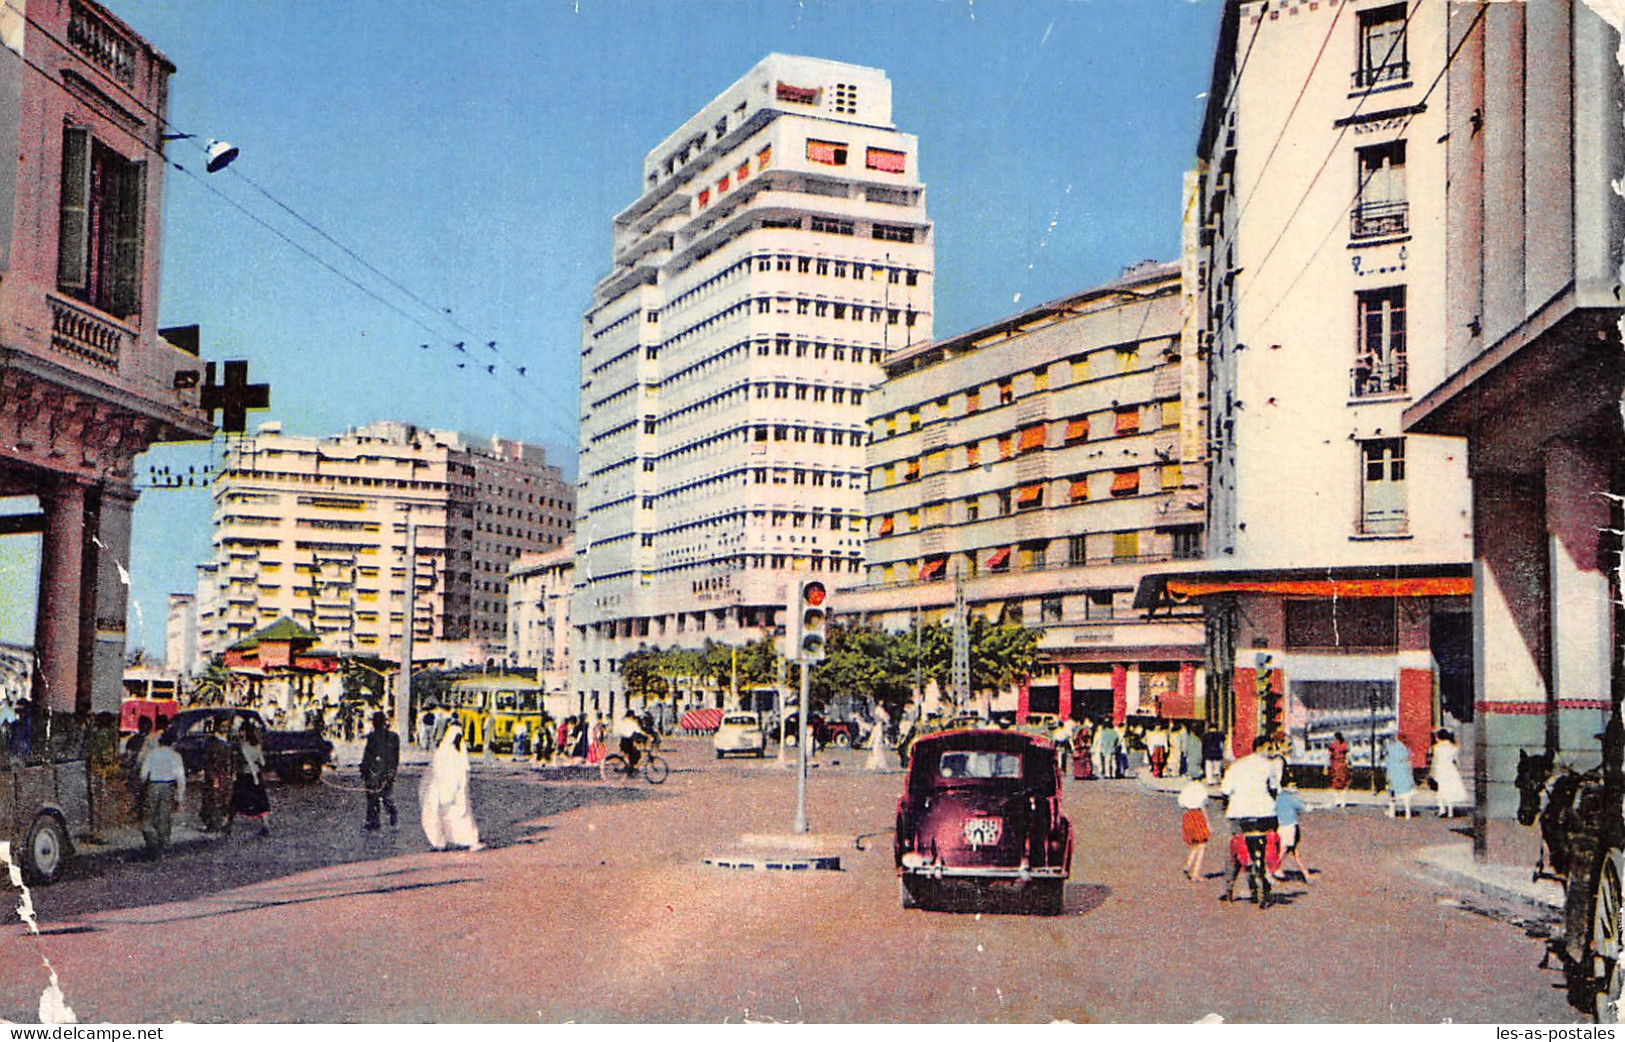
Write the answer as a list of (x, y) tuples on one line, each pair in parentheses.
[(778, 254), (1338, 581), (1044, 463), (315, 529), (539, 630)]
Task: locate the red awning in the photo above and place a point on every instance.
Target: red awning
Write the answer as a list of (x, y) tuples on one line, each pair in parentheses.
[(1032, 438), (933, 569), (886, 160), (1440, 586), (887, 524), (696, 720), (998, 557), (829, 152), (1077, 430), (1125, 482)]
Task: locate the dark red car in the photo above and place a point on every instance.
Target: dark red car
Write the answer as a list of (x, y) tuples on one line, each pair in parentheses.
[(981, 817)]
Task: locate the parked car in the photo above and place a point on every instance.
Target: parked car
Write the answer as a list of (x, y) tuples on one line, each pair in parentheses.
[(980, 817), (840, 733), (740, 733), (293, 755)]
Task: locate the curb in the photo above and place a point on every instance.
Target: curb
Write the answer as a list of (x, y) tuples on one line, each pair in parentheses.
[(1451, 865)]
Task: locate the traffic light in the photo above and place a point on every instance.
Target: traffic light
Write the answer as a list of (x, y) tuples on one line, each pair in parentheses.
[(1269, 700), (809, 621)]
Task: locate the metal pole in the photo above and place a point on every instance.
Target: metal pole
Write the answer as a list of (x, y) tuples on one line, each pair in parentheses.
[(403, 690), (803, 740)]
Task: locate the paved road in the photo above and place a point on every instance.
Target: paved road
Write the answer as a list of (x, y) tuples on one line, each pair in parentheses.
[(591, 905)]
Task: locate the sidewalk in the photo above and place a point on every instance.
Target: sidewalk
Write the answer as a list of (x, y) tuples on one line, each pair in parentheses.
[(1449, 863)]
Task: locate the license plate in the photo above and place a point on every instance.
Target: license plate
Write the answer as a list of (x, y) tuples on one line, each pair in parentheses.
[(983, 832)]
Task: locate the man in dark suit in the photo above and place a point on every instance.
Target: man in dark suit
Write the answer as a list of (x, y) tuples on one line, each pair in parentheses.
[(379, 762)]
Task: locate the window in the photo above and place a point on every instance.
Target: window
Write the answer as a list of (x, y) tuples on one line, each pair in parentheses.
[(1077, 549), (973, 402), (1077, 429), (1128, 359), (1007, 392), (1173, 475), (1098, 605), (1128, 420), (1379, 361), (973, 509), (1040, 379), (892, 233), (1126, 483), (1078, 491), (1382, 487), (1030, 497), (885, 160), (1382, 48), (1187, 541), (830, 153), (1080, 370), (1380, 208), (1049, 610), (103, 225), (831, 226), (973, 454), (1032, 438), (1125, 546)]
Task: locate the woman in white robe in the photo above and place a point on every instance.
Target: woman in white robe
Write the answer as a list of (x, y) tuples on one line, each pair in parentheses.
[(1447, 773), (443, 795)]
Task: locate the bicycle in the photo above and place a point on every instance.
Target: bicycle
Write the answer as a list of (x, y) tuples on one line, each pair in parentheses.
[(1256, 842), (651, 765)]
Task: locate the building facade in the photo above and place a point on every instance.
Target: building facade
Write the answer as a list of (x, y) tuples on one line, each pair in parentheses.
[(1038, 465), (86, 382), (315, 530), (539, 632), (1337, 588), (778, 254), (180, 635), (1534, 367)]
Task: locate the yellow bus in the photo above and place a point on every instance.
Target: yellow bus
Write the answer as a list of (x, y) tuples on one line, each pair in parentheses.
[(495, 704)]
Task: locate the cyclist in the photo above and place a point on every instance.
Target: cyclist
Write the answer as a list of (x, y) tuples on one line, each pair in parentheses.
[(628, 730), (1251, 783)]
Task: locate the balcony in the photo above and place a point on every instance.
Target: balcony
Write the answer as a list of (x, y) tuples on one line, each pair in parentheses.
[(80, 333), (1369, 77), (1380, 220), (1376, 377)]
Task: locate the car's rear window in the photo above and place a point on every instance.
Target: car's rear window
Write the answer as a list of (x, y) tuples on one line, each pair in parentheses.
[(748, 720), (968, 764)]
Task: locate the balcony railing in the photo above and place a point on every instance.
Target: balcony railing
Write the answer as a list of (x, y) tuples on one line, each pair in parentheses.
[(1370, 76), (98, 41), (77, 332), (1378, 377), (1380, 220)]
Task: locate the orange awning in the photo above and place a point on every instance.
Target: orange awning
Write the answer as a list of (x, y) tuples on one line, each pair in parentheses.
[(1128, 421), (933, 569), (1125, 481), (998, 557), (1077, 430), (1032, 438), (1080, 489), (887, 524), (1030, 494), (1440, 586)]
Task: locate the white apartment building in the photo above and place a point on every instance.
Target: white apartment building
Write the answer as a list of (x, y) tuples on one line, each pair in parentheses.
[(315, 529), (180, 635), (1340, 545), (1046, 461), (779, 253), (539, 631)]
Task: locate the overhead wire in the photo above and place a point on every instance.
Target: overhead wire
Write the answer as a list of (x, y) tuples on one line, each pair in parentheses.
[(442, 313)]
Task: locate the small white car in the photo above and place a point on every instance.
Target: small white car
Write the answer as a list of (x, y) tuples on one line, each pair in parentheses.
[(740, 733)]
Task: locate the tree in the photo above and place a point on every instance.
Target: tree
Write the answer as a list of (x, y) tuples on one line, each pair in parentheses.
[(1000, 655), (642, 674)]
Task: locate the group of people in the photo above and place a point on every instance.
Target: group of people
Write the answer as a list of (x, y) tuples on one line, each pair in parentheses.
[(1105, 750), (233, 784)]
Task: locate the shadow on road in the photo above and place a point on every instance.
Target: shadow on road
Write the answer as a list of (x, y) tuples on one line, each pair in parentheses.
[(313, 826)]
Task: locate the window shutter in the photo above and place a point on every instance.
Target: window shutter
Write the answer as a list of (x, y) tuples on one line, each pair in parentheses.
[(74, 232), (129, 240)]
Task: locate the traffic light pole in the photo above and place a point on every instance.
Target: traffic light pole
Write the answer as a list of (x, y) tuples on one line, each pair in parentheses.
[(804, 740)]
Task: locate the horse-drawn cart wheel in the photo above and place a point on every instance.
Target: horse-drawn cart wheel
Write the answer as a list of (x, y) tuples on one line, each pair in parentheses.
[(1607, 972)]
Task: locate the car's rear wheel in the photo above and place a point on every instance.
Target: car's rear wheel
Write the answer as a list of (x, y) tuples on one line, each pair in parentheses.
[(916, 892), (842, 740), (46, 850), (1047, 897)]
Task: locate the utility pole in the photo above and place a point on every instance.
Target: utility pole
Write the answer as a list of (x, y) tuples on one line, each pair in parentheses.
[(403, 689), (959, 679)]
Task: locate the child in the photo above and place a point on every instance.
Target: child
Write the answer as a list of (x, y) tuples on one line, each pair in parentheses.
[(1288, 806), (1194, 827)]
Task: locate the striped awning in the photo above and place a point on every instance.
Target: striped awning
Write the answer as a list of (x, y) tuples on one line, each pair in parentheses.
[(933, 569), (998, 557), (696, 721)]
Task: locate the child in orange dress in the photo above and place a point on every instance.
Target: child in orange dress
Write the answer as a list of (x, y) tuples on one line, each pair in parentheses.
[(1194, 827)]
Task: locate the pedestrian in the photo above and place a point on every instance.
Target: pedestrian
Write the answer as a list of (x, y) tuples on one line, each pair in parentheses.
[(214, 808), (567, 730), (1106, 745), (595, 745), (1193, 826), (1250, 785), (380, 759), (1338, 768), (545, 731), (521, 740), (1213, 755), (138, 744), (21, 739), (1289, 808), (1447, 773), (163, 783), (1401, 779), (443, 795), (248, 798), (426, 729), (1083, 761), (102, 762), (879, 751), (1156, 750)]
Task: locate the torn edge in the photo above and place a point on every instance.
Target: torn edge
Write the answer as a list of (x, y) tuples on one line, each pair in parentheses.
[(53, 1004)]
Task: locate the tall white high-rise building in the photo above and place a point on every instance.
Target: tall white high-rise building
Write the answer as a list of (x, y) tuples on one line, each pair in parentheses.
[(777, 255)]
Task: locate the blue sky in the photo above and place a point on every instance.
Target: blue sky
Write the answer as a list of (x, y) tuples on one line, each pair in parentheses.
[(473, 153)]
